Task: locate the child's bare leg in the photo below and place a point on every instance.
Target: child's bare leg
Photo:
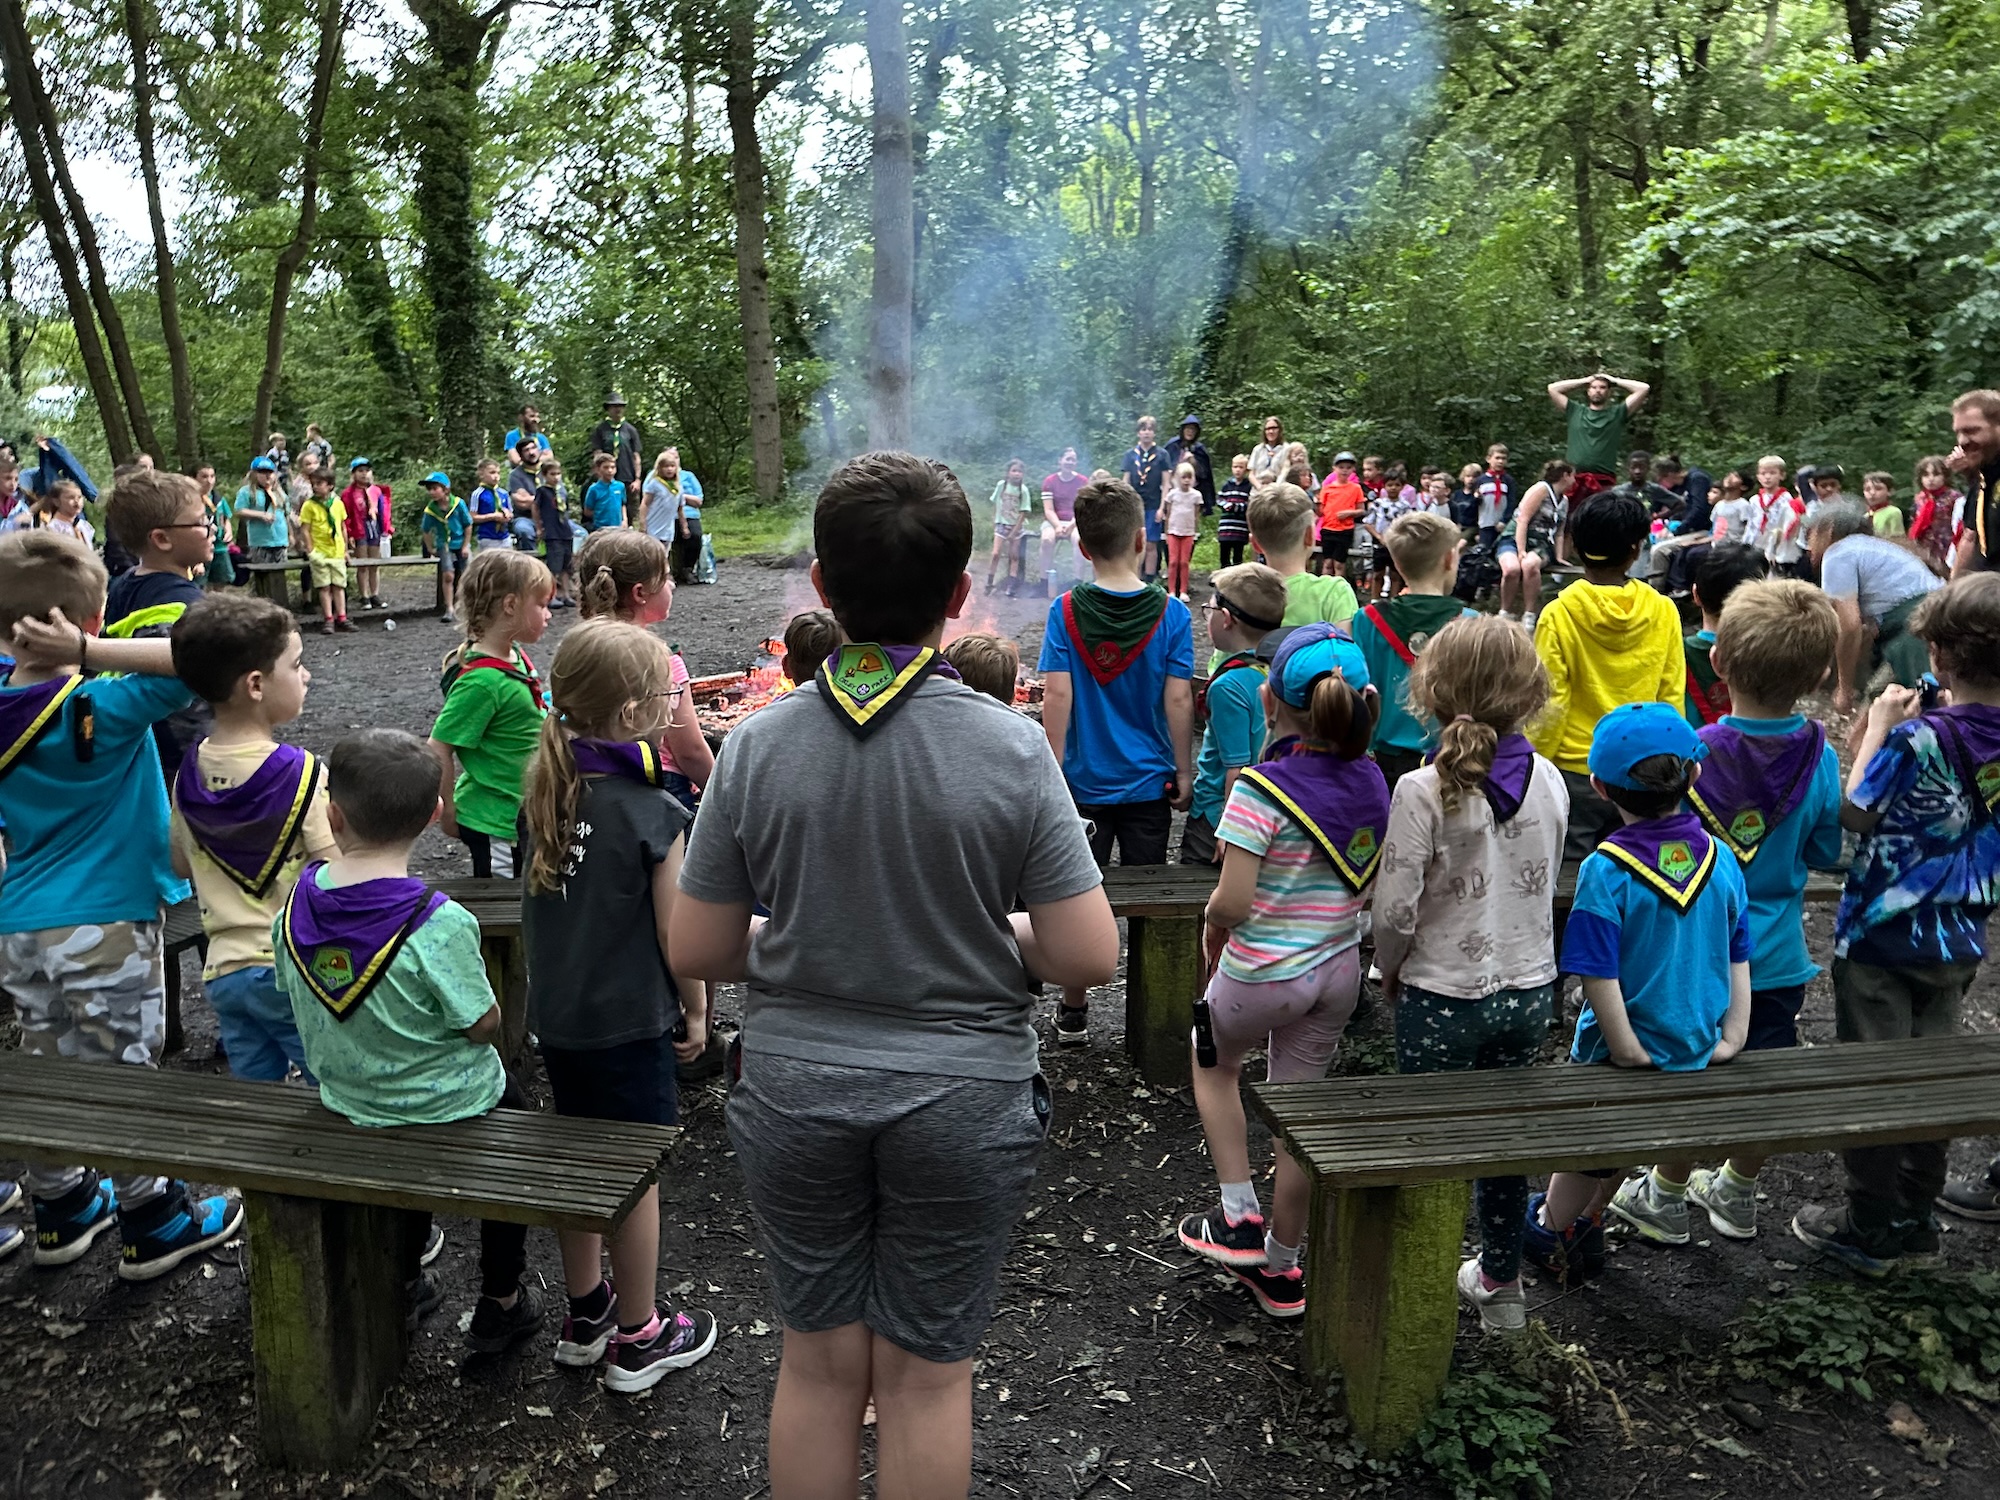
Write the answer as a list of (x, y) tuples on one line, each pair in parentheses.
[(326, 605), (1510, 583), (635, 1261), (339, 601), (1675, 1171), (1747, 1166), (923, 1425), (823, 1383), (1291, 1201), (1572, 1196), (1219, 1101), (583, 1256)]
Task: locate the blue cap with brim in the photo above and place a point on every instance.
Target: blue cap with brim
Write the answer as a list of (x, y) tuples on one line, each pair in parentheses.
[(1309, 653), (263, 465), (358, 463), (1633, 732), (437, 476)]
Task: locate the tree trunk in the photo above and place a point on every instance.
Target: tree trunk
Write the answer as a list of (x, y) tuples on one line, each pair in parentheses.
[(690, 121), (17, 56), (1861, 28), (18, 228), (1586, 215), (187, 442), (325, 63), (891, 306), (1238, 242), (753, 274), (357, 257), (100, 285)]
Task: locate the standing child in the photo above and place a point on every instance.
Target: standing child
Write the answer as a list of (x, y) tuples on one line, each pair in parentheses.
[(1722, 570), (987, 663), (1232, 513), (324, 517), (604, 497), (1302, 836), (1733, 518), (1118, 698), (1473, 981), (446, 527), (1780, 517), (493, 708), (1911, 929), (160, 519), (1341, 503), (1011, 512), (407, 1037), (492, 515), (1180, 518), (65, 515), (1878, 493), (260, 506), (890, 1112), (1393, 633), (552, 526), (281, 459), (1281, 522), (248, 813), (604, 853), (317, 448), (371, 522), (1659, 930), (1935, 524), (1248, 605), (221, 566)]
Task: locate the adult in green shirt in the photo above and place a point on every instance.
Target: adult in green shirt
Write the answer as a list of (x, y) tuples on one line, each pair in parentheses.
[(1596, 430)]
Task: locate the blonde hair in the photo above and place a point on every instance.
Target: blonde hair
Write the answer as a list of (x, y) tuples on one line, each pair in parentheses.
[(601, 668), (1257, 588), (490, 581), (1480, 678), (612, 562), (1776, 637), (45, 570), (1420, 541), (1278, 515), (989, 663)]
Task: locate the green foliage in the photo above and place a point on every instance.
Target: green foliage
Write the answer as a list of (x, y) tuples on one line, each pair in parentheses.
[(1496, 1424), (1940, 1332)]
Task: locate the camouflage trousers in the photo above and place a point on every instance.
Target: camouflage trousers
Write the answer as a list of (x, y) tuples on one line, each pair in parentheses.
[(95, 993)]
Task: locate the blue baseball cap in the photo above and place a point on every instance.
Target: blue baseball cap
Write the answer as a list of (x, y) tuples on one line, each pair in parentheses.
[(1633, 732), (263, 465), (358, 463), (1309, 653), (437, 476)]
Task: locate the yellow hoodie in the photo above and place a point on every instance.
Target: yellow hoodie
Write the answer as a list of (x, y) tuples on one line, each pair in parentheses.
[(1603, 647)]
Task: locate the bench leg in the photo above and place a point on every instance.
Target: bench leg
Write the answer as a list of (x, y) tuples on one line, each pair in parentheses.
[(1380, 1303), (176, 1039), (1163, 976), (326, 1315), (507, 971)]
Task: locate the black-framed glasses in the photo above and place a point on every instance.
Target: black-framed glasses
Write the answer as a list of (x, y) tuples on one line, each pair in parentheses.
[(204, 525)]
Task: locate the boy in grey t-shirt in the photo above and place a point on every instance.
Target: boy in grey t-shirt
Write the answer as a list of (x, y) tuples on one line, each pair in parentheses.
[(891, 1111)]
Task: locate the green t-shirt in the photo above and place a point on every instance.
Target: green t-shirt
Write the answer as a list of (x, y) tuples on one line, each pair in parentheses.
[(1596, 435), (493, 721), (402, 1057), (1312, 600)]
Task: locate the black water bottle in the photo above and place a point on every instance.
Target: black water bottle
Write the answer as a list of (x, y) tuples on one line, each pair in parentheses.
[(1204, 1034)]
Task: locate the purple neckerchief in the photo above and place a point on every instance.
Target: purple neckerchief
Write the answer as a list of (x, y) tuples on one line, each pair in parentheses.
[(1507, 782), (1970, 734), (1750, 783), (28, 713), (248, 829), (1341, 805), (343, 940), (632, 759), (864, 683), (1673, 855)]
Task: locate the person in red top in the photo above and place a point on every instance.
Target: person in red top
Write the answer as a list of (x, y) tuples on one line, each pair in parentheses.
[(369, 527), (1341, 500)]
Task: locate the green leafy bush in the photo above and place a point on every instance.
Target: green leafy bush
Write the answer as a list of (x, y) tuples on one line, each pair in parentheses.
[(1489, 1436), (1939, 1332)]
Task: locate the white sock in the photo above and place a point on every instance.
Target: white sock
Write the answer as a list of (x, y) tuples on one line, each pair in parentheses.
[(1239, 1201), (1278, 1258)]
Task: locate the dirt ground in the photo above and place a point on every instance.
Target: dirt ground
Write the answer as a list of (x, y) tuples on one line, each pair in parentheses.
[(1117, 1364)]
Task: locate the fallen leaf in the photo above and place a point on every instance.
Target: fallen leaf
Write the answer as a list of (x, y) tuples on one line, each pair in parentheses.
[(1906, 1424), (758, 1329), (540, 1411), (64, 1330), (603, 1480), (1116, 1396), (1727, 1445)]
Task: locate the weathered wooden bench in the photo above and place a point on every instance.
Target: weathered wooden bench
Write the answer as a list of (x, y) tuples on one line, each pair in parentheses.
[(180, 931), (1392, 1159), (327, 1301), (272, 580)]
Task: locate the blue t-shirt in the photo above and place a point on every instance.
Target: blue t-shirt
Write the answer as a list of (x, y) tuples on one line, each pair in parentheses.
[(89, 837), (690, 496), (1672, 966), (1807, 839), (276, 532), (500, 527), (449, 530), (1924, 880), (1235, 736), (1118, 748), (604, 503)]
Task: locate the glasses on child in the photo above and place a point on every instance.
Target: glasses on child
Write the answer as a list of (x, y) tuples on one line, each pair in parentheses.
[(203, 525)]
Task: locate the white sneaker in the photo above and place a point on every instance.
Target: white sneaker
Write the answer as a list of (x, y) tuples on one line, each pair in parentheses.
[(1732, 1209), (1501, 1310), (1653, 1215), (1528, 621)]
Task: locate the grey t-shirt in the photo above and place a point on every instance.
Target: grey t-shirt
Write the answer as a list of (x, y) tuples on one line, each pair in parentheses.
[(890, 866), (595, 974), (1878, 574)]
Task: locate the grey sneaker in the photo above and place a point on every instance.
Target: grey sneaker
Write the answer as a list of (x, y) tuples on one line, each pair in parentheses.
[(1973, 1198), (1732, 1209), (1652, 1214), (1503, 1309)]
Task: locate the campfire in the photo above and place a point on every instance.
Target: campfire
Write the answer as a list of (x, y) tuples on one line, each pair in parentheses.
[(725, 699)]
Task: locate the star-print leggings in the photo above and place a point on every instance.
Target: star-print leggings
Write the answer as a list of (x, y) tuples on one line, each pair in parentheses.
[(1444, 1034)]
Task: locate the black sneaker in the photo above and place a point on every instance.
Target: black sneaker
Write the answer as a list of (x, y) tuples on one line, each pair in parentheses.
[(422, 1298), (1921, 1240), (1072, 1025), (66, 1227), (496, 1329), (433, 1247), (1830, 1229), (1977, 1198), (672, 1341), (161, 1234), (1211, 1236), (1282, 1294), (584, 1338)]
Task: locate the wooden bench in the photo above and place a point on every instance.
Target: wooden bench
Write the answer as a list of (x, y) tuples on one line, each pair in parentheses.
[(327, 1301), (272, 580), (180, 931), (1392, 1158)]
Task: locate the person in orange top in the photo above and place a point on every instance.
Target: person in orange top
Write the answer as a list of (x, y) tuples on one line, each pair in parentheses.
[(1341, 500)]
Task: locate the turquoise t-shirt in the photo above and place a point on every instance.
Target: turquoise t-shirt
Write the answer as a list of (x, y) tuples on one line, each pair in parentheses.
[(276, 532), (1415, 618), (402, 1057), (88, 838), (604, 503), (1235, 736)]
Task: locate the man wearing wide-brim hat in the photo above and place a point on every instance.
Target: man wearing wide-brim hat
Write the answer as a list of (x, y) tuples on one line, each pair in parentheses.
[(619, 438)]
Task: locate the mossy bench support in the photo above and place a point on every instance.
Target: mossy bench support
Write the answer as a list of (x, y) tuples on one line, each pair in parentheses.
[(327, 1301), (1391, 1159), (273, 580), (1164, 969)]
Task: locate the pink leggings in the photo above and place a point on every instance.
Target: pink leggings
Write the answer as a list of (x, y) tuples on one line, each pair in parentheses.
[(1180, 552), (1302, 1017)]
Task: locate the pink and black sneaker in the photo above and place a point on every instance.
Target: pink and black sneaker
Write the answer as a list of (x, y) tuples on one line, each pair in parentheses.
[(1282, 1294), (1213, 1237), (672, 1341)]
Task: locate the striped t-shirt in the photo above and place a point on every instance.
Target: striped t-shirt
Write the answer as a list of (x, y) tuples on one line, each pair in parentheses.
[(1302, 914)]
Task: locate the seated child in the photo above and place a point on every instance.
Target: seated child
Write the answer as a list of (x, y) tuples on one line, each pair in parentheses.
[(89, 869), (1249, 601), (1606, 640), (1659, 931), (1911, 930), (1393, 633), (890, 1110), (1474, 982), (811, 636), (986, 663), (1302, 836), (1770, 791), (248, 813), (1716, 577), (410, 1041)]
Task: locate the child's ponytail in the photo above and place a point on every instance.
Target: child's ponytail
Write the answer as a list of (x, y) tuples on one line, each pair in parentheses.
[(1479, 678), (612, 562), (1340, 716), (1464, 757), (550, 805)]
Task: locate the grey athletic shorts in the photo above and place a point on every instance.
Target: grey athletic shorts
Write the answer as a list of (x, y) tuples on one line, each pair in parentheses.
[(886, 1198)]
